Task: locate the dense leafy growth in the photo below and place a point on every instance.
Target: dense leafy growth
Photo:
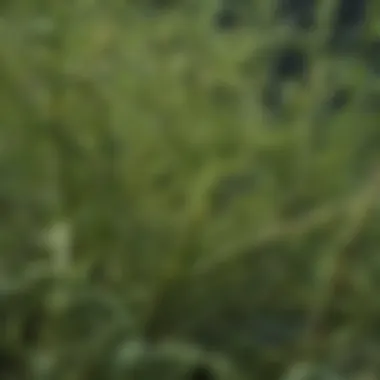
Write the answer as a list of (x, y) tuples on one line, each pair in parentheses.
[(189, 189)]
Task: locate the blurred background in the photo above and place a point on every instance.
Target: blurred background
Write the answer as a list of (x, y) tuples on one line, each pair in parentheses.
[(189, 189)]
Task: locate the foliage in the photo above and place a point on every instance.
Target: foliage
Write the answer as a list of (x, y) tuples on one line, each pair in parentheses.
[(158, 221)]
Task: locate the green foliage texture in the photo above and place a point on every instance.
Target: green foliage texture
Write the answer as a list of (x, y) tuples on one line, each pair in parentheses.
[(157, 222)]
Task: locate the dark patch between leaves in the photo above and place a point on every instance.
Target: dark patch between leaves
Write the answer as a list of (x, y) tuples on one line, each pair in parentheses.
[(201, 372)]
